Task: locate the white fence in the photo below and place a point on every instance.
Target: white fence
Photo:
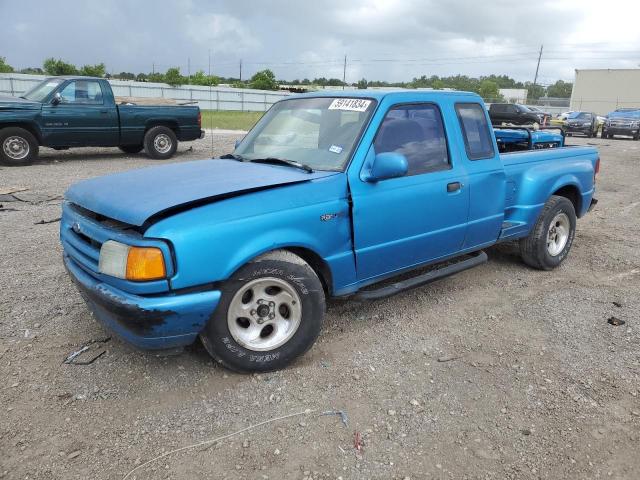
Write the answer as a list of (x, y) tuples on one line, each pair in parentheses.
[(215, 98)]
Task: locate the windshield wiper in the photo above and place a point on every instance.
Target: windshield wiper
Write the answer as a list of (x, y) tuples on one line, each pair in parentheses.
[(283, 161)]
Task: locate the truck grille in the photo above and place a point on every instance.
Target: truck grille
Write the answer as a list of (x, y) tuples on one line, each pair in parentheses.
[(82, 234)]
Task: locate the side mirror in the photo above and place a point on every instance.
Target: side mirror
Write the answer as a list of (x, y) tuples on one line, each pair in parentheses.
[(57, 98), (387, 165)]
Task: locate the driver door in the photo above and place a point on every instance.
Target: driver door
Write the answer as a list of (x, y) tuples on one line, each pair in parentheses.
[(418, 218), (81, 118)]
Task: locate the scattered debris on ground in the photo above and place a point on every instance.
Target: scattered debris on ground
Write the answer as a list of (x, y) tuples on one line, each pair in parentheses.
[(88, 353)]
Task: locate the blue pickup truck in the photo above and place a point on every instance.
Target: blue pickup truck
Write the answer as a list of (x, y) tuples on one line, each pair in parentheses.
[(331, 194), (65, 112)]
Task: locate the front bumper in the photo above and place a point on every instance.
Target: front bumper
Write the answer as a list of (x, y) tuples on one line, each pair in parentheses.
[(150, 323), (630, 132), (577, 129)]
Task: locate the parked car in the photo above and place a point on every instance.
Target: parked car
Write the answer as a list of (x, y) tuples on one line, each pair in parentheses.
[(538, 110), (514, 114), (624, 121), (65, 112), (329, 195), (585, 123)]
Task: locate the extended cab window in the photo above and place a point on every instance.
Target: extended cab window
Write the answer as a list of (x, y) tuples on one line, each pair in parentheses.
[(475, 131), (417, 132), (86, 92)]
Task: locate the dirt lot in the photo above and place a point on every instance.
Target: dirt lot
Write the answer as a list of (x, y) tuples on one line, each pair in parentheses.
[(498, 372)]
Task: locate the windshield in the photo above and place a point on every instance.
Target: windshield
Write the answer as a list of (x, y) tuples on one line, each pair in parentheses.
[(319, 132), (43, 89), (625, 114), (580, 115)]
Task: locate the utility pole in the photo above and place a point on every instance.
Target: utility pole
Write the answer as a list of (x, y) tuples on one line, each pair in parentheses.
[(153, 68), (189, 68), (535, 79), (240, 69), (344, 72), (209, 62)]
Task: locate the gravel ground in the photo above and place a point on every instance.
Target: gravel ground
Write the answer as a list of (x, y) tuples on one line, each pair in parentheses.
[(499, 372)]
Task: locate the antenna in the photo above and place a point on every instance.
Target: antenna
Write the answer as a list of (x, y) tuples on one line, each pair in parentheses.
[(344, 72)]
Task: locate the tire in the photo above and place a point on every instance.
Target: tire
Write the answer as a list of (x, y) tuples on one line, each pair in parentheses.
[(160, 142), (603, 134), (18, 147), (535, 249), (291, 293), (131, 148), (637, 136)]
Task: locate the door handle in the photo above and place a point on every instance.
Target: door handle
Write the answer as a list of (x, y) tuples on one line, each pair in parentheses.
[(104, 111), (453, 187)]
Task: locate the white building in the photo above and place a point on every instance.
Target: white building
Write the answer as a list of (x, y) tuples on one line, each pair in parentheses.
[(514, 95), (602, 91)]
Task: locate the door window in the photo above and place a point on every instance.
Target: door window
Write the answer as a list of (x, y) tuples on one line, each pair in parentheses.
[(87, 92), (475, 131), (417, 132)]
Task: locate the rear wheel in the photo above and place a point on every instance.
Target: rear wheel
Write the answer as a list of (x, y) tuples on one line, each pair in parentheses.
[(131, 148), (549, 242), (160, 142), (18, 147), (270, 313)]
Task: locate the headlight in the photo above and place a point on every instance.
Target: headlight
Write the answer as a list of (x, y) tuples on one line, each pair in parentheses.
[(131, 263)]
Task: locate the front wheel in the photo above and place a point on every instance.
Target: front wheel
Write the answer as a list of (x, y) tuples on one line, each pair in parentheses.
[(18, 147), (160, 142), (549, 242), (271, 312)]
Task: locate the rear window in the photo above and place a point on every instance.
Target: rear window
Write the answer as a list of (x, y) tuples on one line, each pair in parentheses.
[(475, 131)]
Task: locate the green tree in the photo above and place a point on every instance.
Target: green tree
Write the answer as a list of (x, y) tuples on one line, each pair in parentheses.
[(488, 89), (155, 77), (173, 77), (97, 70), (201, 78), (264, 80), (125, 76), (141, 77), (560, 89), (362, 84), (52, 66), (534, 91), (4, 66)]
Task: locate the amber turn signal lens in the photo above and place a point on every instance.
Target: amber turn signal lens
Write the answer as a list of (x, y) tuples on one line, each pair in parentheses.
[(145, 263)]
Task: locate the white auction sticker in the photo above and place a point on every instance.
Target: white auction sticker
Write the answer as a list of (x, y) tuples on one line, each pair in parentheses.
[(351, 104)]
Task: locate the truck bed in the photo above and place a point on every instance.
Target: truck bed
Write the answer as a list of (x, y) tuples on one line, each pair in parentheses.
[(531, 174)]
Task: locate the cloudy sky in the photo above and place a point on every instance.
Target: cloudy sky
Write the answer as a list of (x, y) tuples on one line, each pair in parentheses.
[(383, 39)]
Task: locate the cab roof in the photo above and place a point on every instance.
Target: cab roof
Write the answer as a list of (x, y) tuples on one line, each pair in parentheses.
[(380, 94)]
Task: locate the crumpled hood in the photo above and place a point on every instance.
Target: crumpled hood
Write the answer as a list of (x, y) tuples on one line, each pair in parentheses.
[(135, 196), (13, 103)]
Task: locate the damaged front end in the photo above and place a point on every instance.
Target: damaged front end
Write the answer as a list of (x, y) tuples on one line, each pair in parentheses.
[(148, 315)]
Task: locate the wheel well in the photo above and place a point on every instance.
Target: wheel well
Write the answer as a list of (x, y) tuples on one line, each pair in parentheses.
[(318, 264), (27, 126), (164, 123), (572, 194)]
